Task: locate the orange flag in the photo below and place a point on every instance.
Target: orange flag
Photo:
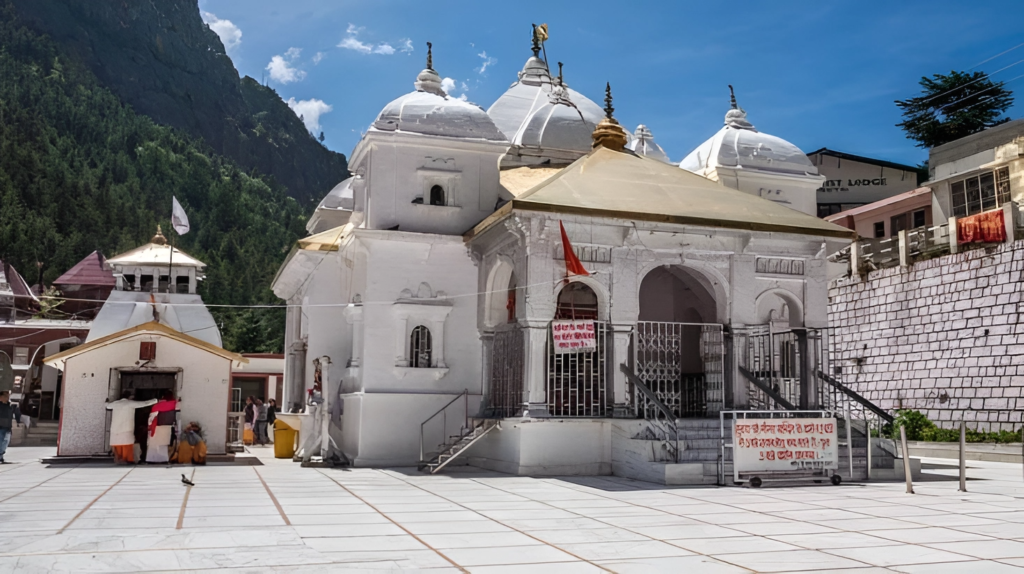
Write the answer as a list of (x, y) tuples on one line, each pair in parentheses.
[(572, 263)]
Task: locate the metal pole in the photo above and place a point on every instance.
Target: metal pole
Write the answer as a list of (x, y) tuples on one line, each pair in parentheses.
[(867, 429), (906, 459), (963, 459)]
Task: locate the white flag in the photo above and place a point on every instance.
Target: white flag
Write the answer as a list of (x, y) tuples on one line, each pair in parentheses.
[(179, 221)]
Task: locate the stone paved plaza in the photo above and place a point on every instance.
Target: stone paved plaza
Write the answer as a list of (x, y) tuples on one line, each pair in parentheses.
[(279, 517)]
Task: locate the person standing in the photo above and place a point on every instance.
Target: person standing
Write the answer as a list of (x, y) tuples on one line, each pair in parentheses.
[(8, 413), (260, 428), (248, 433), (271, 417), (122, 426), (161, 419)]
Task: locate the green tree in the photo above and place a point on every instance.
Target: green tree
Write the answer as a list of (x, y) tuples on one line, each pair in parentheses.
[(952, 106)]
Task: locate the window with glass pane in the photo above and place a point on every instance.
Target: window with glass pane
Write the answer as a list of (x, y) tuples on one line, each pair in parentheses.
[(1003, 185), (983, 192), (420, 350)]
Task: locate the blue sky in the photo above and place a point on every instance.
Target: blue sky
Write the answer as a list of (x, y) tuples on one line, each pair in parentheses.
[(819, 74)]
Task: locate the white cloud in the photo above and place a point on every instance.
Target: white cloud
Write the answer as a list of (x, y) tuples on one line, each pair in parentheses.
[(352, 42), (487, 62), (406, 46), (281, 69), (230, 35), (310, 112), (448, 85), (319, 56)]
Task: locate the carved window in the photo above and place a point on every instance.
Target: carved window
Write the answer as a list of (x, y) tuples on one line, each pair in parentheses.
[(420, 348), (437, 195)]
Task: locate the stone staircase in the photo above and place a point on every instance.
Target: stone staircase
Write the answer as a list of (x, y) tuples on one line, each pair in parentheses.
[(645, 450), (458, 444), (41, 433)]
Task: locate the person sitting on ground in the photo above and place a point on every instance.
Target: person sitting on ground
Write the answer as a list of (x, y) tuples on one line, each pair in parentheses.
[(191, 446), (8, 413), (122, 426)]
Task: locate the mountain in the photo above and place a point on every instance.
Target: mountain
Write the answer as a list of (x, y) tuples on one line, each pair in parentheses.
[(159, 57), (81, 170)]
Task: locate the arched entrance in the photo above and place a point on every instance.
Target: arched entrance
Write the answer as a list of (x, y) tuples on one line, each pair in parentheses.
[(577, 378), (677, 346), (505, 396)]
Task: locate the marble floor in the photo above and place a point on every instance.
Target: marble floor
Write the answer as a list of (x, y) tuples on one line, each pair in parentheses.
[(279, 517)]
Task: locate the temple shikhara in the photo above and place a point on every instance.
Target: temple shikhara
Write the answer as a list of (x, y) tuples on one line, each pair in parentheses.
[(438, 306)]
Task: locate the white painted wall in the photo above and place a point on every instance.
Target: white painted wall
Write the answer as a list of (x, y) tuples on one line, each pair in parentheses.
[(549, 447), (203, 390)]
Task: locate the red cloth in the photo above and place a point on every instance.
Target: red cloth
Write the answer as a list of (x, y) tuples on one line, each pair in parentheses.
[(160, 407), (572, 263), (987, 227)]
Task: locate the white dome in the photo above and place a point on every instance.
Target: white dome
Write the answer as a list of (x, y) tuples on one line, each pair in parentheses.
[(643, 144), (537, 111), (429, 111), (334, 210), (740, 145)]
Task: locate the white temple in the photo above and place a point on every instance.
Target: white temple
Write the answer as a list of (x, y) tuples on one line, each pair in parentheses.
[(435, 274), (743, 158)]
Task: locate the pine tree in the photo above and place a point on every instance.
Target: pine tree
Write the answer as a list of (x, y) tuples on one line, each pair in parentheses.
[(952, 106)]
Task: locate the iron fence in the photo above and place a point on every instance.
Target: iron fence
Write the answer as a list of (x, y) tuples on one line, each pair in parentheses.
[(682, 364), (506, 386), (577, 383)]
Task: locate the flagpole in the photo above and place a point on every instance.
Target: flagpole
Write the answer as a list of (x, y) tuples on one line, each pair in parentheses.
[(170, 260)]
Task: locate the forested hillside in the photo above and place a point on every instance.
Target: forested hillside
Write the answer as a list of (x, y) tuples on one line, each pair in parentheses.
[(162, 59), (79, 171)]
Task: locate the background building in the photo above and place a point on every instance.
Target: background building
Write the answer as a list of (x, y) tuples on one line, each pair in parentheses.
[(852, 180)]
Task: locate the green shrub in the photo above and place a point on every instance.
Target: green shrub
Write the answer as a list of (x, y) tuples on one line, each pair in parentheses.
[(920, 428)]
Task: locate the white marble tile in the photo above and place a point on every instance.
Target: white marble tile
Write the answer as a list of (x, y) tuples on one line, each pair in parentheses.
[(578, 567), (477, 540), (496, 556), (825, 540), (927, 535), (718, 546), (583, 535), (348, 530), (673, 565), (462, 527), (987, 549), (899, 555), (624, 550), (979, 567), (790, 561), (365, 543), (686, 531)]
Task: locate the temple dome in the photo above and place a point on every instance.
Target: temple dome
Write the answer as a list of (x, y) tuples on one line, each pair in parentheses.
[(643, 144), (429, 111), (739, 145), (540, 111)]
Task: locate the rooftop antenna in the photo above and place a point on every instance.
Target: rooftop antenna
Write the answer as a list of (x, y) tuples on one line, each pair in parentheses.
[(430, 56)]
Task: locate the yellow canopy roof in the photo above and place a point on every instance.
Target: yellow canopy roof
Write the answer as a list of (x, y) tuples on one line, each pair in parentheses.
[(624, 185), (329, 240)]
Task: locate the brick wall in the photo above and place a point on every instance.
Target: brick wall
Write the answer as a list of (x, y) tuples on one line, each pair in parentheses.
[(942, 336)]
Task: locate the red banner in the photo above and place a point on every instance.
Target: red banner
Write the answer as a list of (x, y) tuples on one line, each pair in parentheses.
[(987, 227)]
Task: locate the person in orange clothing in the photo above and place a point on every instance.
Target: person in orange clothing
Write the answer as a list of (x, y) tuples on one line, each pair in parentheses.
[(122, 426)]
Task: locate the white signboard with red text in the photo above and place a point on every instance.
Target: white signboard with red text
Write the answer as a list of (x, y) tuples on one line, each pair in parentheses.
[(573, 337), (770, 445)]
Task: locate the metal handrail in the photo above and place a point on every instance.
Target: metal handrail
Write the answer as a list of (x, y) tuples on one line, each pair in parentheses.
[(670, 417), (855, 396), (463, 395), (767, 390)]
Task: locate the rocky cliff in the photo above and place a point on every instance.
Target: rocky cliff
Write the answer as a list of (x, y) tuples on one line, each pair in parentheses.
[(159, 57)]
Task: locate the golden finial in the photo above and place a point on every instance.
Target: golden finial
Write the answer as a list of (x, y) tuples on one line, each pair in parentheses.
[(609, 133), (159, 238), (536, 42), (430, 56)]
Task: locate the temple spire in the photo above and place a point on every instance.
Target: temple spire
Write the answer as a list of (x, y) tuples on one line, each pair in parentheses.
[(609, 134), (536, 42), (608, 109), (732, 98), (560, 81), (430, 57)]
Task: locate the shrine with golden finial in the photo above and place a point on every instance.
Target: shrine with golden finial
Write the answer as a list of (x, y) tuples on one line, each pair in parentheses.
[(609, 133)]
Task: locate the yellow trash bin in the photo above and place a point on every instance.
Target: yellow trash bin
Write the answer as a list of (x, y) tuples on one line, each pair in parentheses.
[(284, 440)]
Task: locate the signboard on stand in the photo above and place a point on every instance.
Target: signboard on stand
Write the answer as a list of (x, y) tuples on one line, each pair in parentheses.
[(776, 445), (573, 337)]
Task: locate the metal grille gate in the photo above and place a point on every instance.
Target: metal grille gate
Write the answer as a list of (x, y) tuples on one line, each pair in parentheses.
[(659, 353), (577, 383), (507, 356), (775, 359)]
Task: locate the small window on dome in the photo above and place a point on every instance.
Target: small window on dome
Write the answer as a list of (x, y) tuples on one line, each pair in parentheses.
[(437, 195)]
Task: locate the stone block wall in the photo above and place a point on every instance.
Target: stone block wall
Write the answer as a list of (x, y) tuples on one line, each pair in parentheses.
[(942, 336)]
